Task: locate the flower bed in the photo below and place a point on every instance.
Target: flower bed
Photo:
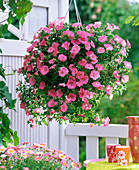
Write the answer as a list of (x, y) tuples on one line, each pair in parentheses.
[(38, 155), (67, 71)]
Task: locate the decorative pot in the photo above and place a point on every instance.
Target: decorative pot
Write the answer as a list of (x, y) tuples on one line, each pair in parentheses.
[(133, 122)]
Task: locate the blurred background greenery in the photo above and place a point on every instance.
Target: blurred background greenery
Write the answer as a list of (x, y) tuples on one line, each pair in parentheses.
[(114, 12)]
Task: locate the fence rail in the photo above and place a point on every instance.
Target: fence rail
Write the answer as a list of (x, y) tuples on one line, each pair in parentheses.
[(112, 133)]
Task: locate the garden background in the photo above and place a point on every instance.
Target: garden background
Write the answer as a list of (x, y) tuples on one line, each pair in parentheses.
[(111, 11)]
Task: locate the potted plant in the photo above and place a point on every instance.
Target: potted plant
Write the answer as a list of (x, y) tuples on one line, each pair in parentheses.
[(69, 68)]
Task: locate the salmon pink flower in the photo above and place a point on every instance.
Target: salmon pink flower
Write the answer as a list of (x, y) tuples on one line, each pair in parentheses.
[(79, 83), (62, 84), (118, 60), (128, 44), (125, 78), (69, 33), (71, 67), (80, 74), (95, 74), (53, 66), (59, 25), (30, 67), (74, 71), (106, 121), (55, 45), (30, 48), (92, 44), (71, 97), (42, 85), (59, 93), (44, 70), (20, 70), (83, 62), (94, 61), (50, 50), (86, 106), (99, 67), (76, 25), (97, 24), (26, 168), (63, 71), (37, 110), (97, 119), (89, 66), (123, 51), (64, 107), (52, 93), (117, 38), (52, 103), (84, 79), (71, 84), (52, 61), (116, 75), (75, 49), (100, 50), (102, 38), (32, 81), (127, 64), (62, 57), (110, 27), (96, 84), (66, 45), (108, 89), (118, 82), (108, 47)]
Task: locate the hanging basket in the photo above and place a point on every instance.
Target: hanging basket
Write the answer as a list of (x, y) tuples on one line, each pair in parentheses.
[(67, 71)]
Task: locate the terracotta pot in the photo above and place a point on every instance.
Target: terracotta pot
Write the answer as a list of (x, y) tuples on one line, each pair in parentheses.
[(133, 122)]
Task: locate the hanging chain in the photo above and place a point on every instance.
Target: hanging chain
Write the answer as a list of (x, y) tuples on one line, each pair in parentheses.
[(77, 12)]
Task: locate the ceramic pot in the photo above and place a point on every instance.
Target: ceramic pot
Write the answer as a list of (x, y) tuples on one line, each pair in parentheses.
[(133, 122)]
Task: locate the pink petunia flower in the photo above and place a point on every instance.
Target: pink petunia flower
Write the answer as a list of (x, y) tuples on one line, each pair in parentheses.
[(59, 25), (83, 62), (108, 47), (94, 61), (118, 60), (80, 74), (97, 119), (52, 103), (117, 39), (97, 24), (128, 64), (66, 45), (108, 89), (52, 93), (102, 38), (123, 51), (96, 84), (125, 78), (23, 105), (86, 106), (75, 49), (63, 71), (116, 74), (128, 44), (71, 97), (53, 66), (106, 121), (50, 50), (99, 67), (41, 55), (71, 67), (100, 50), (74, 71), (71, 84), (42, 85), (64, 107), (118, 82), (89, 66), (92, 44), (59, 93), (84, 79), (37, 110), (62, 57), (76, 25), (32, 81), (110, 27), (52, 61), (94, 74), (26, 168), (42, 43), (79, 83), (44, 70)]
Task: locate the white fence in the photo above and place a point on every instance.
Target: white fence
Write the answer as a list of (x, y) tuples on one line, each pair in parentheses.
[(112, 133)]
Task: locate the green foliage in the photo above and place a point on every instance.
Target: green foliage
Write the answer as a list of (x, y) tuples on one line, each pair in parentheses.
[(121, 107), (5, 131), (134, 18), (17, 9)]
